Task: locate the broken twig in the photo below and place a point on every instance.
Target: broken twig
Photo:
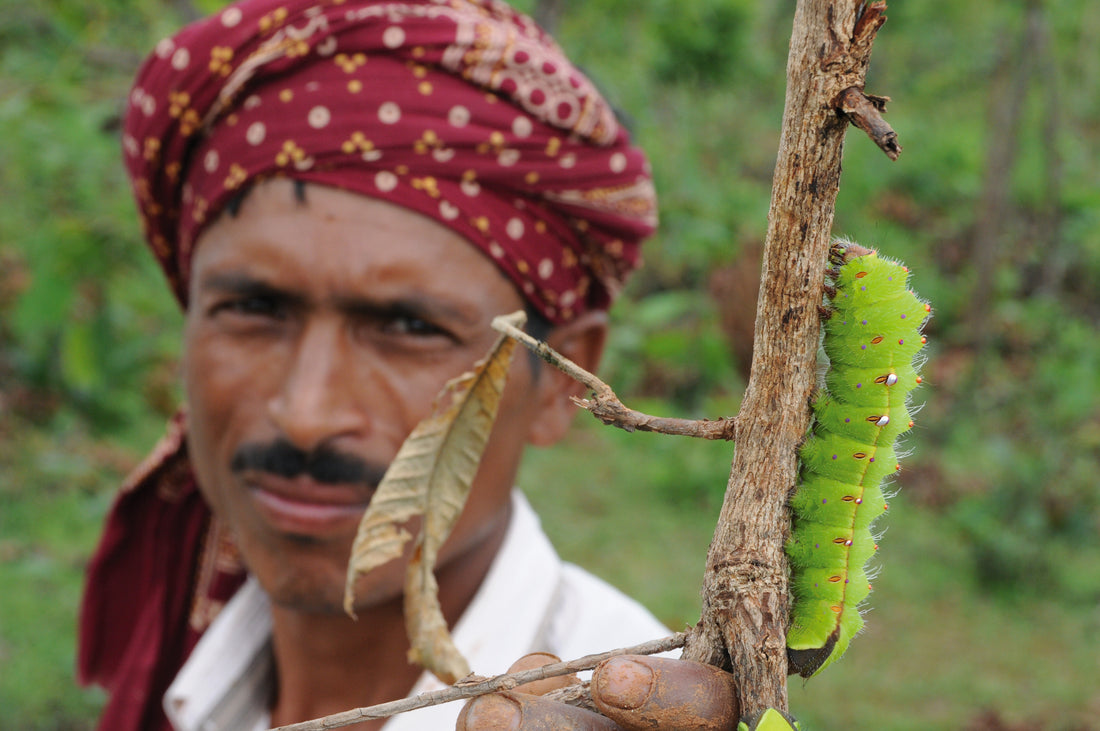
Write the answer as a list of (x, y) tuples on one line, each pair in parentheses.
[(612, 412), (865, 111), (607, 407)]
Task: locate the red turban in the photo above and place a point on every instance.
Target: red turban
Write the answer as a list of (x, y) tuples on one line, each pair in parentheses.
[(462, 110)]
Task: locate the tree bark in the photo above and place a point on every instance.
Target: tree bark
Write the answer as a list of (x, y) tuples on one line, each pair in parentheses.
[(745, 598)]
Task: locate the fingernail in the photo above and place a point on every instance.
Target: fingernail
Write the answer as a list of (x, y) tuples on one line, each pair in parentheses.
[(624, 683), (490, 712)]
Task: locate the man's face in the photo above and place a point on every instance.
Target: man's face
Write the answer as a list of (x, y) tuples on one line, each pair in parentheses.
[(318, 335)]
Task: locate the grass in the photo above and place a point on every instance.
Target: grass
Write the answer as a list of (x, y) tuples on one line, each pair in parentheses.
[(636, 509), (54, 494)]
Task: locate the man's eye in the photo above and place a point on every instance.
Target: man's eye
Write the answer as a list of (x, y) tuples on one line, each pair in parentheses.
[(252, 307), (409, 325)]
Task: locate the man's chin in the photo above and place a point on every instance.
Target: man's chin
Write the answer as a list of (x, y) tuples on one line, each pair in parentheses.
[(321, 591)]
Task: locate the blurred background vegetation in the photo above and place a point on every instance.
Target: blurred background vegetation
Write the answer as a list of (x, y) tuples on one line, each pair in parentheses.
[(987, 610)]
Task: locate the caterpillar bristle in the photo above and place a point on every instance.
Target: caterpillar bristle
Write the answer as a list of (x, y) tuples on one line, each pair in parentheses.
[(903, 453)]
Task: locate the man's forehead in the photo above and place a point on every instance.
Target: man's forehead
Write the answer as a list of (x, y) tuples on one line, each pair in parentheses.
[(348, 251)]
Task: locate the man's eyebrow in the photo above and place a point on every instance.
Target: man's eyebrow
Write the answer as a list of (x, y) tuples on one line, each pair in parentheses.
[(238, 283), (426, 308)]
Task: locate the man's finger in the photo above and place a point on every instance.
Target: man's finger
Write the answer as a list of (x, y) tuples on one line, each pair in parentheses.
[(511, 711), (641, 692), (541, 687)]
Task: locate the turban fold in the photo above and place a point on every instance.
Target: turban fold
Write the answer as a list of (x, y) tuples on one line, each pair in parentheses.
[(462, 110)]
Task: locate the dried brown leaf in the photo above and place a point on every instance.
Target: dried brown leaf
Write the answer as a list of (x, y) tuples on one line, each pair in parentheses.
[(431, 476), (431, 645)]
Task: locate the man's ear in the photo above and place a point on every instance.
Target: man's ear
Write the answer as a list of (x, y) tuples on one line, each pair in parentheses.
[(581, 341)]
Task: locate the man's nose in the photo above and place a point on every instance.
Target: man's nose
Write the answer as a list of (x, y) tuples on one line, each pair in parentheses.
[(317, 401)]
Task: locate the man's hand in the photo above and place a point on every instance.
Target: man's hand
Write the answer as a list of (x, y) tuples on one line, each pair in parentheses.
[(633, 692)]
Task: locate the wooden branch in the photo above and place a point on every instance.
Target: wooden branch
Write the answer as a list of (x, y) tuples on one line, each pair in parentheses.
[(607, 407), (475, 686), (745, 594)]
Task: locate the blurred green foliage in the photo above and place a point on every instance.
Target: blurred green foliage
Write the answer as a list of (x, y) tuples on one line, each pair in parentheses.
[(85, 330), (1007, 449)]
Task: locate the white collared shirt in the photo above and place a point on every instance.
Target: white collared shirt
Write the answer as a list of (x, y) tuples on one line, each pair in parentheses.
[(530, 601)]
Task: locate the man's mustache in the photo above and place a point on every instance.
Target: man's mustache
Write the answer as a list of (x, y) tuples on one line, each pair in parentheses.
[(324, 465)]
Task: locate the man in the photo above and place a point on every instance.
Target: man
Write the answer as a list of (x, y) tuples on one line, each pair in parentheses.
[(343, 194)]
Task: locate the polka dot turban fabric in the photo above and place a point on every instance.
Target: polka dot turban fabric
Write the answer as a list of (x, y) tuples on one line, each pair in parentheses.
[(462, 110)]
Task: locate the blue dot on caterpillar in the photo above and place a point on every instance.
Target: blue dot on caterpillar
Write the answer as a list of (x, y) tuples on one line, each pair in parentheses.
[(871, 336)]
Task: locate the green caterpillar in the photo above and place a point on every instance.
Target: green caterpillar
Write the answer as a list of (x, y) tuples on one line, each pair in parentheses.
[(871, 337)]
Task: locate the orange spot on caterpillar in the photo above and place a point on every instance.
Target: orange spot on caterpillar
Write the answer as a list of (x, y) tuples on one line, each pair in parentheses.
[(836, 608), (912, 423), (861, 275), (876, 340), (834, 579), (859, 455), (920, 380), (923, 340), (847, 498), (840, 540), (927, 307), (886, 506), (897, 467)]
